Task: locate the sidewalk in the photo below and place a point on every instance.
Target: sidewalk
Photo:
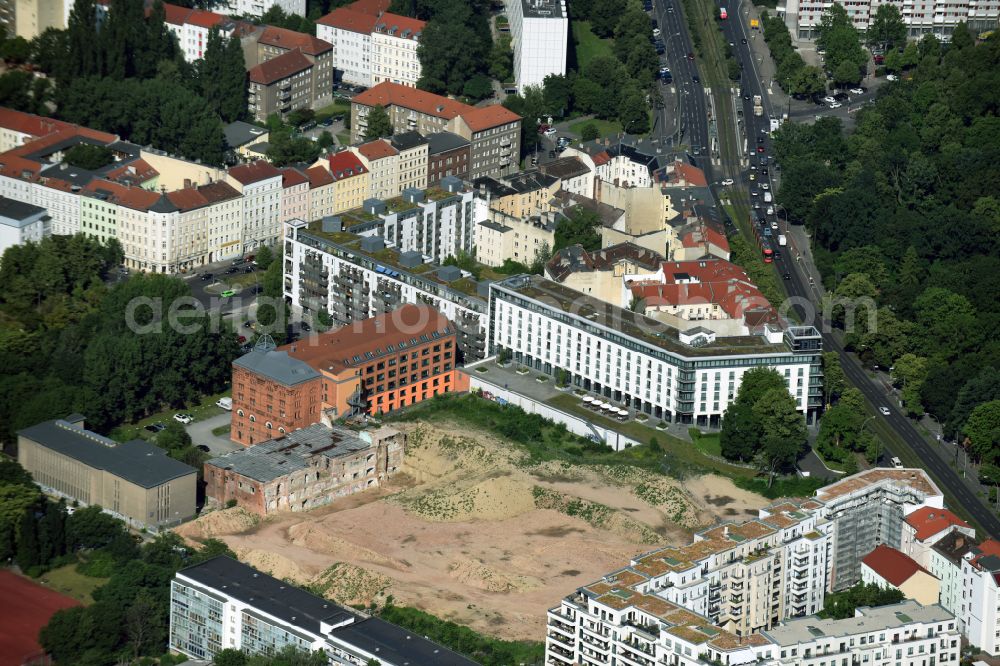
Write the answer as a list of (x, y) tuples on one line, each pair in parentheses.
[(776, 102)]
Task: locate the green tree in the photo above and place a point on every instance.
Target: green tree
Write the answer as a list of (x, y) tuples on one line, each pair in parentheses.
[(579, 227), (16, 50), (88, 156), (982, 431), (501, 59), (15, 501), (633, 112), (557, 91), (230, 657), (28, 549), (847, 72), (840, 428), (478, 87), (264, 258), (984, 387), (961, 37), (740, 433), (809, 81), (756, 383), (589, 132), (325, 140), (783, 431), (52, 531), (842, 605), (887, 28), (379, 124), (910, 371)]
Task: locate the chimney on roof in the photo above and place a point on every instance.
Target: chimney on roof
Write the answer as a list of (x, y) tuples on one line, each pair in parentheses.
[(187, 184)]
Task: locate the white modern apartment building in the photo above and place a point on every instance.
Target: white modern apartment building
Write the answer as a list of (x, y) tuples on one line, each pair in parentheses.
[(979, 606), (22, 223), (370, 45), (937, 18), (260, 185), (687, 376), (260, 7), (946, 565), (539, 31), (354, 277), (222, 603), (868, 509)]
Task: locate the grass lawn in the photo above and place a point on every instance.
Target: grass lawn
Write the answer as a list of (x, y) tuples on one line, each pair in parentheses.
[(588, 45), (674, 447), (221, 430), (344, 138), (72, 583), (243, 279), (706, 442), (338, 107), (203, 410), (606, 128)]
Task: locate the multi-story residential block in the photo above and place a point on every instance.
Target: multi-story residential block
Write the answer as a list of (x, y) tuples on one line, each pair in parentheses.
[(904, 634), (321, 192), (304, 469), (352, 181), (890, 569), (135, 481), (946, 565), (294, 194), (293, 70), (398, 357), (372, 45), (412, 149), (517, 217), (222, 603), (600, 273), (240, 136), (574, 176), (394, 50), (22, 223), (191, 28), (715, 293), (925, 527), (18, 128), (937, 18), (382, 161), (979, 606), (447, 155), (354, 278), (261, 7), (683, 376), (867, 510), (494, 132), (699, 240), (539, 31), (259, 183), (208, 221)]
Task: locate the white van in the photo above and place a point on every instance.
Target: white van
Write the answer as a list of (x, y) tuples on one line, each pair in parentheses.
[(225, 403), (768, 198)]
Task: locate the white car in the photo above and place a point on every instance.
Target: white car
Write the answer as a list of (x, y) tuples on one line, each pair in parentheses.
[(727, 182), (183, 418), (770, 210), (897, 463), (835, 105), (550, 131), (829, 99), (774, 225), (765, 187), (891, 77), (856, 91), (884, 411), (656, 32)]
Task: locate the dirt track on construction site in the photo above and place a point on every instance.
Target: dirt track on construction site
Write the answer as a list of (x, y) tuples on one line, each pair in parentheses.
[(473, 533)]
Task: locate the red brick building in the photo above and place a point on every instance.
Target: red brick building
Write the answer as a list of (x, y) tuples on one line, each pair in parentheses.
[(373, 366)]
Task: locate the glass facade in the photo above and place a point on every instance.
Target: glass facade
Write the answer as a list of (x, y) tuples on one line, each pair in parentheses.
[(195, 621), (259, 636)]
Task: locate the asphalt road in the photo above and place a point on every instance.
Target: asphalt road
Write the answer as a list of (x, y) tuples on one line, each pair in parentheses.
[(799, 284), (692, 110)]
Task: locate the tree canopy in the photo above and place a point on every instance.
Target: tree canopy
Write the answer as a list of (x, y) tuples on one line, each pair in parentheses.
[(379, 124)]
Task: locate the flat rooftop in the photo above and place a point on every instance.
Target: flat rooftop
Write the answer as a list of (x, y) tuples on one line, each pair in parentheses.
[(633, 324), (543, 9), (278, 457), (895, 616), (916, 479)]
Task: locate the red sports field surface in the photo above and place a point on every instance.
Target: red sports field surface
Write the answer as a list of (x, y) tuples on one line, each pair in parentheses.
[(25, 607)]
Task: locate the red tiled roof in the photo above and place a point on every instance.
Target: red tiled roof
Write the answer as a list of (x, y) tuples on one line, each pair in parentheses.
[(692, 174), (892, 565), (291, 177), (190, 198), (135, 198), (345, 18), (187, 199), (373, 7), (485, 117), (344, 165), (706, 233), (398, 25), (394, 94), (714, 281), (218, 191), (376, 150), (990, 547), (254, 172), (29, 123), (289, 39), (205, 19), (601, 158), (136, 171), (279, 68), (318, 177), (928, 521), (174, 14)]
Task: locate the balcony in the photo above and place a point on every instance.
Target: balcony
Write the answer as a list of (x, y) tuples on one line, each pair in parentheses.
[(558, 639)]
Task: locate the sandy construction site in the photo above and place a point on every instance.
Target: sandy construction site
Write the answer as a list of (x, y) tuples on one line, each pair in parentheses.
[(474, 533)]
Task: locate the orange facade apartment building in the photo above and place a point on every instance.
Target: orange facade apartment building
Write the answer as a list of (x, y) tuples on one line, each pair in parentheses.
[(370, 366)]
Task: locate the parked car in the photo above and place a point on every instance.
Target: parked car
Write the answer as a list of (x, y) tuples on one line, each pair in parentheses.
[(696, 79), (550, 131), (727, 182), (857, 91), (765, 187), (183, 418), (891, 77), (205, 277), (829, 99), (225, 403), (232, 269), (836, 105), (897, 463), (202, 447), (656, 32), (326, 122), (305, 326), (156, 427)]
